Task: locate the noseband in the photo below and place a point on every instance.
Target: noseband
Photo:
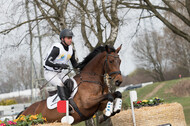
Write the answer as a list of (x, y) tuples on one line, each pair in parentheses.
[(107, 67)]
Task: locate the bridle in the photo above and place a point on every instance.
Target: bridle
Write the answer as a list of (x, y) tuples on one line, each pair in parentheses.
[(107, 67), (106, 75)]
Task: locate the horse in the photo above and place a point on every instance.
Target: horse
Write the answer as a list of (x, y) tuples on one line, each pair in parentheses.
[(93, 93)]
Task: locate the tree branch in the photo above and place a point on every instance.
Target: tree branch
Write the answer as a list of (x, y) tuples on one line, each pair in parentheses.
[(88, 15), (105, 13), (98, 24), (188, 7), (179, 15), (83, 31), (48, 19), (6, 31), (168, 24)]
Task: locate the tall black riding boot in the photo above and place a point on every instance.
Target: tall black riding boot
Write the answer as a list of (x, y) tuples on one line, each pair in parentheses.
[(61, 93)]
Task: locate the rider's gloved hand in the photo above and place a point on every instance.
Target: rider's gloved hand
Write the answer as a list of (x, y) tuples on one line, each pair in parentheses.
[(63, 66), (77, 65)]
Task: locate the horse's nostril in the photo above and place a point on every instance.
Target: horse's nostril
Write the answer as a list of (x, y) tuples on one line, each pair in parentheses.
[(117, 82)]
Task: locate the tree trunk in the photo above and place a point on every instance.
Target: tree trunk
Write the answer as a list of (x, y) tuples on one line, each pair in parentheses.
[(188, 6), (31, 48), (41, 76)]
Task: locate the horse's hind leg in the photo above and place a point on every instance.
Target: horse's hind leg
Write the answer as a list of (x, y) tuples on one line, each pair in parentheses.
[(31, 109), (19, 114)]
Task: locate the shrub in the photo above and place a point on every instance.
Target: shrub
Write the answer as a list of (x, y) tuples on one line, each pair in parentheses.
[(8, 102), (150, 102), (23, 120), (28, 120)]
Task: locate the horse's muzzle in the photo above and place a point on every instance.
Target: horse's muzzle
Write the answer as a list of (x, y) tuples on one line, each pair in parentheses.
[(118, 82)]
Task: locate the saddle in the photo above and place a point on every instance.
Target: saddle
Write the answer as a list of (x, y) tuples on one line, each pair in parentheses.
[(51, 93), (70, 90), (53, 100)]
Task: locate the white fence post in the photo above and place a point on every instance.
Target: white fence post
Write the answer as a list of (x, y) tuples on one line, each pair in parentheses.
[(133, 97)]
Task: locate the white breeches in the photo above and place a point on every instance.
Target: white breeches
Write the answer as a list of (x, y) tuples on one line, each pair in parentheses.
[(56, 79)]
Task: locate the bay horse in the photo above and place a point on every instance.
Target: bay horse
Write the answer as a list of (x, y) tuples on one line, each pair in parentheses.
[(93, 93)]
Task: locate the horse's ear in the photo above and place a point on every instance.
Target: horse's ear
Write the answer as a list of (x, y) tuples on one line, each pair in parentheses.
[(107, 49), (119, 48)]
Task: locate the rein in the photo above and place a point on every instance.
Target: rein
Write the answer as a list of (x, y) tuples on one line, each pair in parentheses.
[(106, 75), (53, 77)]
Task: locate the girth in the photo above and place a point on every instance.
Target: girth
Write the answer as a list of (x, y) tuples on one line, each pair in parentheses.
[(83, 117)]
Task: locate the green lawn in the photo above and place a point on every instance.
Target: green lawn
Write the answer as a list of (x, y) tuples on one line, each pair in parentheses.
[(162, 92), (80, 124)]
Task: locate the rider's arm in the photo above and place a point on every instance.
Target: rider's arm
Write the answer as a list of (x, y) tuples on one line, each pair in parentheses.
[(54, 53), (52, 56), (73, 60)]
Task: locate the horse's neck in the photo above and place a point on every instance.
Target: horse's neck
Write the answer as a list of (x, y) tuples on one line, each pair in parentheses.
[(95, 65)]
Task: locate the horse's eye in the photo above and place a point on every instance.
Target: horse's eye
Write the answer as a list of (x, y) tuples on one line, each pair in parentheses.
[(111, 61)]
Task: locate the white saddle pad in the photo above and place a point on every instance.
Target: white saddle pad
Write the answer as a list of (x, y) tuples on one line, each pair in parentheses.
[(52, 100)]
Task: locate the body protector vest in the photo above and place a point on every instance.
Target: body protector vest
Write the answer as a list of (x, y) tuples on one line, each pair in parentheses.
[(63, 57)]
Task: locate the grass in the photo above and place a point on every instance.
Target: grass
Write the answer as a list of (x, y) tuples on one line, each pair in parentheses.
[(163, 92), (80, 124)]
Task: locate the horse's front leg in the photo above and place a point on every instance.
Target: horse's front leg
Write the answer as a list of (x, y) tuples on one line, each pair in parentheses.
[(112, 106), (117, 102)]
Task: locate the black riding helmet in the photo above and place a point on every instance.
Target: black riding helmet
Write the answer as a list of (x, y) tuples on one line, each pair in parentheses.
[(66, 33)]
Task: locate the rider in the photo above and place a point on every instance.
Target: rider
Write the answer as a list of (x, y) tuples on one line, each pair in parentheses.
[(56, 60)]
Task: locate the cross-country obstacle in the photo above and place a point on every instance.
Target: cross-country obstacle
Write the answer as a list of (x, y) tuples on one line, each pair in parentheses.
[(152, 116)]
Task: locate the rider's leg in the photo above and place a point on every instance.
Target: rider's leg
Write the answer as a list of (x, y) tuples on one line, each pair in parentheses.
[(61, 93), (68, 87), (68, 84), (55, 80), (65, 91), (63, 83)]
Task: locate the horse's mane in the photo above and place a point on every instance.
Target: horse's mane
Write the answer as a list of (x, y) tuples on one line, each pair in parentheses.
[(90, 56)]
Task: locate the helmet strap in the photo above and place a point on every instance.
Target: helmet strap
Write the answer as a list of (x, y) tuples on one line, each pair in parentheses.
[(64, 42)]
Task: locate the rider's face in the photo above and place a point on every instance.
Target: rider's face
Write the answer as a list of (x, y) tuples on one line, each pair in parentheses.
[(68, 40)]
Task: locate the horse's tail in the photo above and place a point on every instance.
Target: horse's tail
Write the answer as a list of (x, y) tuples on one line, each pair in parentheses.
[(19, 114)]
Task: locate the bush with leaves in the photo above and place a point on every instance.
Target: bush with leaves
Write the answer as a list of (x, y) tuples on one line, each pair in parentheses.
[(150, 102), (23, 120), (8, 102)]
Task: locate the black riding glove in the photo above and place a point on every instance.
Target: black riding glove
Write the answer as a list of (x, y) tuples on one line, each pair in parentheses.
[(63, 66), (78, 65)]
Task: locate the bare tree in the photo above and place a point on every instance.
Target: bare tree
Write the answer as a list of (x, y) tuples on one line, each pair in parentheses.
[(100, 19), (150, 54), (17, 75), (178, 47), (159, 7), (40, 44), (179, 53)]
